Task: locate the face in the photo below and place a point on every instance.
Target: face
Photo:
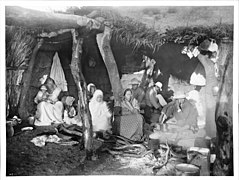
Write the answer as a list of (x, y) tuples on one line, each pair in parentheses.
[(99, 98), (92, 89), (128, 95), (157, 88), (134, 86)]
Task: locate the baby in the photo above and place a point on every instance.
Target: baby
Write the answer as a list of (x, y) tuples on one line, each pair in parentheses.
[(42, 95)]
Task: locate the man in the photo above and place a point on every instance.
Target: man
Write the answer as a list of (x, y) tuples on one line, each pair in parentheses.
[(154, 103), (180, 112), (138, 92)]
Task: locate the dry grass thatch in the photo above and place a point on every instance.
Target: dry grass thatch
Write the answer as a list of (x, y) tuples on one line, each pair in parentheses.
[(136, 34), (19, 44)]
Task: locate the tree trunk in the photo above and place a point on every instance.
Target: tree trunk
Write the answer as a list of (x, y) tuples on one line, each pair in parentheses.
[(210, 97), (18, 16), (103, 41), (224, 113), (23, 113), (83, 108)]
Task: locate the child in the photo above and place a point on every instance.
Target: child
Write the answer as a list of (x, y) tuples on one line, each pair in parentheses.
[(42, 95)]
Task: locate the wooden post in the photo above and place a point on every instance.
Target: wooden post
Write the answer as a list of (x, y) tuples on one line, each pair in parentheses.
[(223, 165), (83, 107), (23, 113), (211, 83), (103, 41)]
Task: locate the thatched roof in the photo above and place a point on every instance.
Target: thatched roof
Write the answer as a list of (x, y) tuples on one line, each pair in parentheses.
[(132, 32)]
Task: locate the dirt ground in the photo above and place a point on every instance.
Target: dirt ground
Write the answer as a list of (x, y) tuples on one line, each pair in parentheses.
[(26, 159)]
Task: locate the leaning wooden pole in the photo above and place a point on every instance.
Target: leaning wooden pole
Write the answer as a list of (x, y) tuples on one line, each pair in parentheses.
[(103, 41), (22, 111), (83, 108), (223, 165)]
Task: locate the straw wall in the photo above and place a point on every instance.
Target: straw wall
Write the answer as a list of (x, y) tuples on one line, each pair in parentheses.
[(18, 51)]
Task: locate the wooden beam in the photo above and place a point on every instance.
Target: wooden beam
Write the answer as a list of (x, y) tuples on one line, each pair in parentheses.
[(18, 16), (103, 41), (23, 113), (83, 107), (224, 115)]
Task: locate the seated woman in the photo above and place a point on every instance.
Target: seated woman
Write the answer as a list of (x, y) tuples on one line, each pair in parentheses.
[(100, 113), (130, 123), (49, 110)]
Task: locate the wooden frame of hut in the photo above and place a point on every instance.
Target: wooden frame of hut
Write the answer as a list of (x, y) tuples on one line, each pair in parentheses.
[(36, 31)]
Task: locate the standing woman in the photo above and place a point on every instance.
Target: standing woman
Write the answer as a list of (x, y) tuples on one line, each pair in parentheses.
[(100, 113), (130, 123)]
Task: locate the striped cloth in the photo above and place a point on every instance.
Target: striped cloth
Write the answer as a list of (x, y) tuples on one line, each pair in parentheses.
[(129, 126)]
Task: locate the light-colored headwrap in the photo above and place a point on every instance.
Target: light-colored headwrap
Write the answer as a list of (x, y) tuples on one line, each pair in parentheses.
[(97, 93), (89, 86), (97, 109)]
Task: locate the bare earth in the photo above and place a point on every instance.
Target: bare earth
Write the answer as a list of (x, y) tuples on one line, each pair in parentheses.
[(26, 159)]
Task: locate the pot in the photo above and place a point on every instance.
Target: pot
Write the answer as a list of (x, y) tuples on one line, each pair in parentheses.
[(187, 170)]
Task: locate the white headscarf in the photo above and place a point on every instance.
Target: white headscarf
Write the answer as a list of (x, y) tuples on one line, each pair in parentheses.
[(89, 86), (99, 112), (94, 105)]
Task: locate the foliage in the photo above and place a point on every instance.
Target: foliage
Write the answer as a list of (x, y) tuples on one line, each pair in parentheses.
[(151, 11), (137, 34), (194, 35), (172, 10)]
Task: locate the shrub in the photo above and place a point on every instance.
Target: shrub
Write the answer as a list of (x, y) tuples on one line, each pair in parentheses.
[(172, 10)]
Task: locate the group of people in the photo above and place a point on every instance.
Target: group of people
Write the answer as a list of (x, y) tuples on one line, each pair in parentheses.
[(138, 107)]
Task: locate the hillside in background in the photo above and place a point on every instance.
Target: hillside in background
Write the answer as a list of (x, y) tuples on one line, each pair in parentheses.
[(166, 17)]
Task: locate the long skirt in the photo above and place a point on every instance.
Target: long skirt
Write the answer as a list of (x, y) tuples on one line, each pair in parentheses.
[(129, 126), (48, 113)]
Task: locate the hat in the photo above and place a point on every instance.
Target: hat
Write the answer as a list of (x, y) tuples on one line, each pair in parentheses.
[(213, 47), (159, 84), (205, 45), (179, 96), (134, 81), (43, 87)]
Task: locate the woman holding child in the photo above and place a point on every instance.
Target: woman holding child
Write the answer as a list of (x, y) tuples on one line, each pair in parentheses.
[(49, 108)]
